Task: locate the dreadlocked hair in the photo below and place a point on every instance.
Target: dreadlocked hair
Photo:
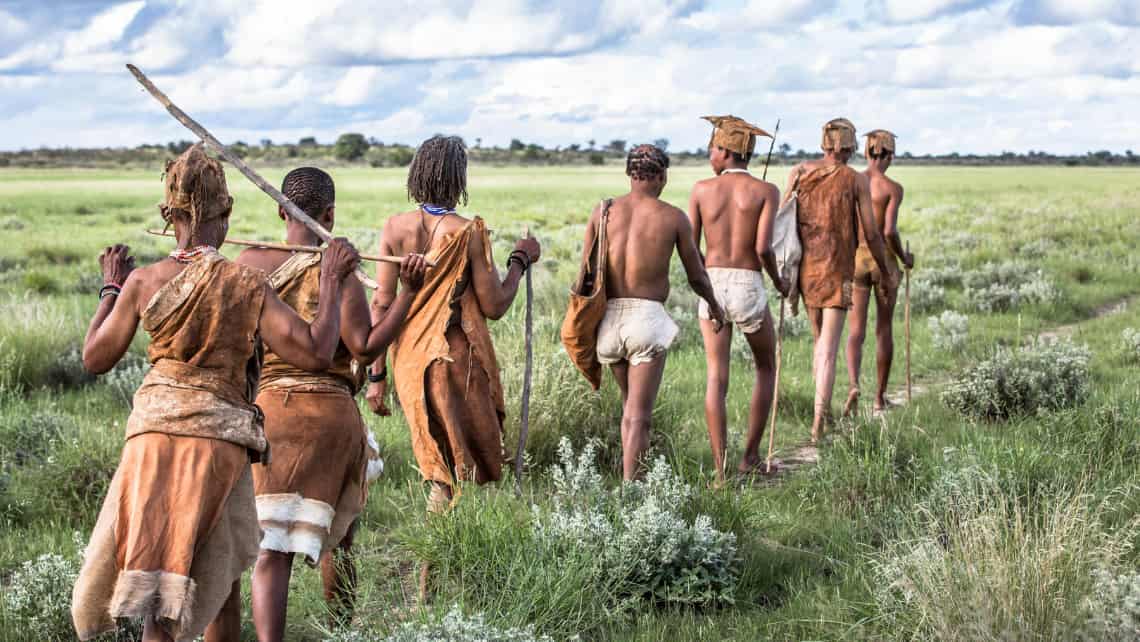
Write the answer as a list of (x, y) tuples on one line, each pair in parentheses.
[(311, 189), (438, 173), (646, 162)]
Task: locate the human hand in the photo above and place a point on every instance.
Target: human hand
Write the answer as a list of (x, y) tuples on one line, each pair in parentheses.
[(783, 286), (530, 247), (341, 259), (908, 260), (376, 396), (716, 314), (117, 264), (412, 271)]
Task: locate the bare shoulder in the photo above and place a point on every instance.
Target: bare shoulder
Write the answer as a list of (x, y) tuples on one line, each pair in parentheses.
[(895, 186), (258, 257), (675, 215)]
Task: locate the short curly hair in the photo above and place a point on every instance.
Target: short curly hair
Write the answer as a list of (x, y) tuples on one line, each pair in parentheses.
[(310, 189), (646, 162)]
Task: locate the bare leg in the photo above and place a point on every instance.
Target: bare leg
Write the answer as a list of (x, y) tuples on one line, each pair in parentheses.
[(856, 334), (226, 627), (884, 347), (338, 573), (763, 345), (270, 588), (152, 632), (717, 353), (621, 376), (637, 413), (826, 349)]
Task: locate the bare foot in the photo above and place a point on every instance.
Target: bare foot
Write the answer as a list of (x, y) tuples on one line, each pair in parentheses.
[(760, 468), (882, 404), (852, 405)]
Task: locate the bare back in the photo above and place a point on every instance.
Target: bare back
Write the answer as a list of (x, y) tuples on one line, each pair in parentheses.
[(642, 233), (883, 192), (735, 212)]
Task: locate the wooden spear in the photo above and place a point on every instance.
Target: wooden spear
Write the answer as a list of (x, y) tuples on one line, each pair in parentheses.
[(298, 248), (290, 208), (776, 381), (906, 317), (524, 409)]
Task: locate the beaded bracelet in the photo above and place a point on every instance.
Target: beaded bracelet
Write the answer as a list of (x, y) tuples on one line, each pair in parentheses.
[(521, 257)]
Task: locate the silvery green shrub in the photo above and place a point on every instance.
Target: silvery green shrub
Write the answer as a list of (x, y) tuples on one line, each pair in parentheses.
[(948, 331), (126, 378), (1000, 287), (1114, 606), (38, 596), (926, 295), (454, 626), (1131, 338), (1039, 378), (637, 533)]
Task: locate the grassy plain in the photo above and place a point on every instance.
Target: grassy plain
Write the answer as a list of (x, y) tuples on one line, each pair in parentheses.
[(818, 550)]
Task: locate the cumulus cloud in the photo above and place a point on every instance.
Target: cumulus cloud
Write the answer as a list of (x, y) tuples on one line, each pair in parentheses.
[(946, 75)]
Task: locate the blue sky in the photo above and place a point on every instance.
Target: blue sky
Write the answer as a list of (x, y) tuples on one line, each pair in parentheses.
[(945, 75)]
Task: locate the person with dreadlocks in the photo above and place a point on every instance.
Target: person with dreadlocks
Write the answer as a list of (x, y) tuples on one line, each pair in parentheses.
[(447, 376), (736, 211), (179, 526), (834, 201), (886, 197), (311, 492), (641, 232)]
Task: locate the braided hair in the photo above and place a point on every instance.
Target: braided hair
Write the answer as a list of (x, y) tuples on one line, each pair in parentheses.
[(438, 173), (646, 162), (310, 189)]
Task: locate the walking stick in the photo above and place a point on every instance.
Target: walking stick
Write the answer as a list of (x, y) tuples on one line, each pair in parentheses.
[(776, 387), (297, 248), (906, 317), (771, 146), (524, 409), (290, 208)]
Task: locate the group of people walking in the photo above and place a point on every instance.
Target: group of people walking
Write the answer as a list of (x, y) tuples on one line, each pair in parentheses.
[(245, 445)]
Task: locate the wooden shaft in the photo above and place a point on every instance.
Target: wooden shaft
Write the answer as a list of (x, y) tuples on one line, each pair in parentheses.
[(289, 206), (771, 146), (776, 388), (524, 409), (906, 318), (377, 258)]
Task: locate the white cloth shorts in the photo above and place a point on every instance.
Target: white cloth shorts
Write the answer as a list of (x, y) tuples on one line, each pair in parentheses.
[(634, 330), (742, 295)]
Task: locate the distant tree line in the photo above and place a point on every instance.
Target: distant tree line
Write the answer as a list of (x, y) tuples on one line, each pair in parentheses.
[(356, 149)]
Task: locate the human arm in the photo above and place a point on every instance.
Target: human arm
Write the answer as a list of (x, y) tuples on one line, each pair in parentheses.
[(369, 340), (871, 232), (891, 229), (495, 296), (695, 219), (765, 227), (310, 346), (117, 317), (695, 270)]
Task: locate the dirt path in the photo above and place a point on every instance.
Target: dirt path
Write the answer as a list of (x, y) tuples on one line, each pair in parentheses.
[(805, 453)]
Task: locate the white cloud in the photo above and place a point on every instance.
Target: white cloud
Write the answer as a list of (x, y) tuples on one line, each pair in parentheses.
[(354, 87), (913, 10)]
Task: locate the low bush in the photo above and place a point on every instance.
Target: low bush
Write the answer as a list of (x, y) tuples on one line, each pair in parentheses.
[(453, 626), (926, 295), (37, 597), (1131, 341), (1000, 287), (1044, 377), (949, 330)]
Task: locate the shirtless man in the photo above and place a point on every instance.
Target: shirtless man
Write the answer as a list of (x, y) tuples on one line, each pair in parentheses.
[(636, 332), (735, 211), (834, 201), (886, 197), (312, 491)]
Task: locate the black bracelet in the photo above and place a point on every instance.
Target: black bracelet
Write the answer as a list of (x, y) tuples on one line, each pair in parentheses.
[(522, 258), (109, 290), (377, 378)]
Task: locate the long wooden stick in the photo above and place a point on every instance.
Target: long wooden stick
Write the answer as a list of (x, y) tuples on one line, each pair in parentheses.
[(771, 146), (776, 388), (290, 208), (524, 410), (377, 258), (906, 317)]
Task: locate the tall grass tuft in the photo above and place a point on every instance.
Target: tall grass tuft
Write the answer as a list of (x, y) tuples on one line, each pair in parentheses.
[(981, 563)]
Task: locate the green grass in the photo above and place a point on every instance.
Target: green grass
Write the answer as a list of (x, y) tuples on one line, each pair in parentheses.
[(812, 548)]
